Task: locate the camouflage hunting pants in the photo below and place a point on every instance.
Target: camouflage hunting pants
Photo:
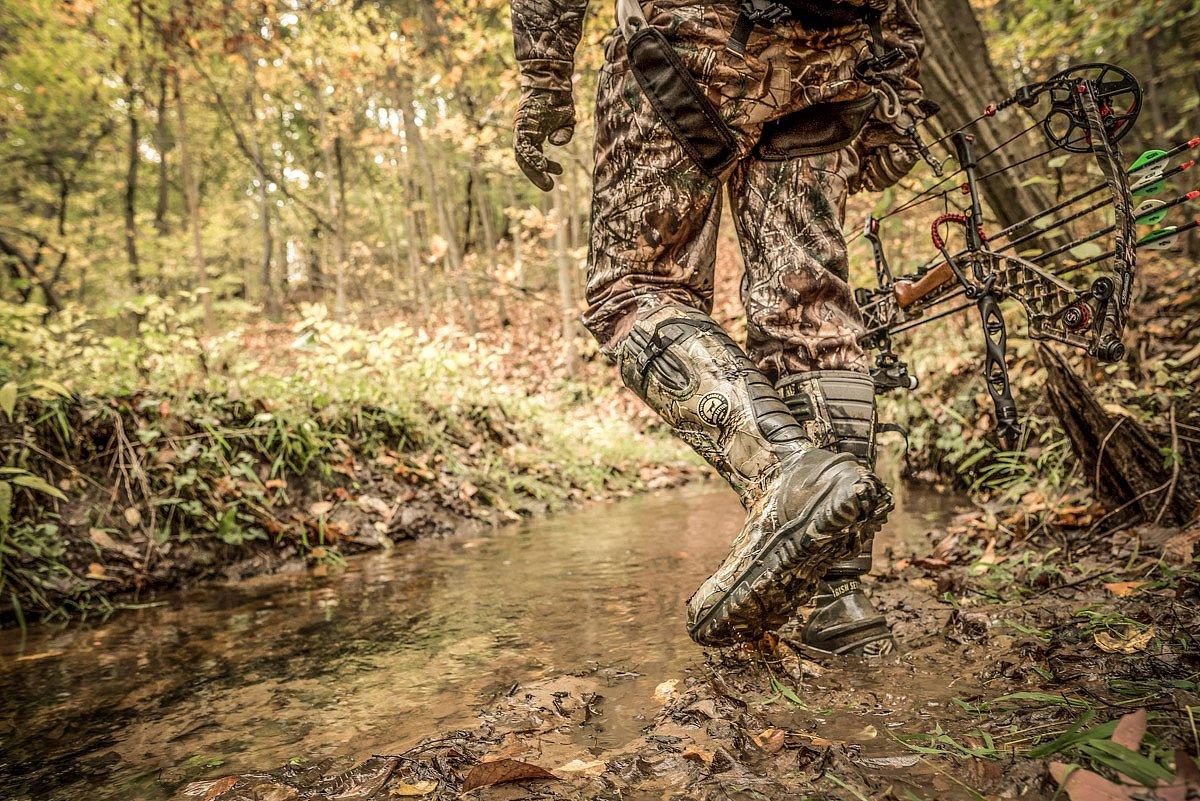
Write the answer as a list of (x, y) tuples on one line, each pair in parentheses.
[(655, 216)]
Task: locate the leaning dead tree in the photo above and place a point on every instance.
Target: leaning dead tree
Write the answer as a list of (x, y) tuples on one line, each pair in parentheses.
[(1134, 475)]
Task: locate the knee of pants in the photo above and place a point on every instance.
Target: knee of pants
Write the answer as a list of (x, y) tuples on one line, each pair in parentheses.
[(609, 319)]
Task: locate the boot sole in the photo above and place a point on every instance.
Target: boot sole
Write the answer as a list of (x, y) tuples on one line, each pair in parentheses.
[(787, 572)]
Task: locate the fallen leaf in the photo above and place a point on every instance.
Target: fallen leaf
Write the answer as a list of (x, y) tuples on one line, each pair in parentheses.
[(821, 742), (209, 790), (101, 538), (879, 763), (698, 754), (868, 732), (485, 774), (665, 691), (96, 572), (1083, 785), (988, 558), (1130, 730), (769, 740), (1123, 589), (1181, 548), (1136, 641), (404, 790), (924, 585), (706, 707), (579, 767), (369, 503)]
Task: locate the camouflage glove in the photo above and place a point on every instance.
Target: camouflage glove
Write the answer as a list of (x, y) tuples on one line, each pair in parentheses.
[(885, 149), (544, 115), (884, 166)]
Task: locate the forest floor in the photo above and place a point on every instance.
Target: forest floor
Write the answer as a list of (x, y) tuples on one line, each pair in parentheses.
[(1050, 651), (1030, 625), (1030, 660), (182, 458)]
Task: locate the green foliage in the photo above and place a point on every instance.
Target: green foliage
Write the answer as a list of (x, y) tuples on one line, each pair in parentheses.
[(210, 442)]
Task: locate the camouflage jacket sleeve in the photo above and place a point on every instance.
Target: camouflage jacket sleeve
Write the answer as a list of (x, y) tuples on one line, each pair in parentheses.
[(545, 33)]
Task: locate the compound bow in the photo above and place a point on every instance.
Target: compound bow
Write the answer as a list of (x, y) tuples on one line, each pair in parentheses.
[(1085, 109)]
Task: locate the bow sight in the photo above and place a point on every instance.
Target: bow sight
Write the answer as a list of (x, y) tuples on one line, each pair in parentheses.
[(1084, 109)]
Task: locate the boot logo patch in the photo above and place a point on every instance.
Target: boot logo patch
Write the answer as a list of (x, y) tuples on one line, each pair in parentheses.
[(713, 409)]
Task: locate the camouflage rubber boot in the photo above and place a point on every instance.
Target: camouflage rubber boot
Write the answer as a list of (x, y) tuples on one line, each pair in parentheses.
[(806, 507), (837, 409)]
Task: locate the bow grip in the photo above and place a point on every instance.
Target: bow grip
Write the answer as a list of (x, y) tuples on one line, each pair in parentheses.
[(908, 292)]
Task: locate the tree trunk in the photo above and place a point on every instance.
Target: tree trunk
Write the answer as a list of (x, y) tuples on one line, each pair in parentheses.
[(566, 283), (1120, 459), (191, 195), (487, 233), (335, 193), (162, 144), (131, 182), (412, 136), (957, 72), (413, 237), (270, 299)]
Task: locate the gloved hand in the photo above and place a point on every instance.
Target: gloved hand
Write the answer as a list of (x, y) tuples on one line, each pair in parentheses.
[(886, 151), (544, 115), (885, 165)]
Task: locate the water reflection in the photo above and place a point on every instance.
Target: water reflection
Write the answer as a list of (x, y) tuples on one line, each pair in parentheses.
[(395, 648)]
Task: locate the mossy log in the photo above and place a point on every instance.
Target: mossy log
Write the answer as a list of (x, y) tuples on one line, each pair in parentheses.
[(1126, 465)]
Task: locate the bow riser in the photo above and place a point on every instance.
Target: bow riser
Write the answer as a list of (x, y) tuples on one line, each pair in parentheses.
[(1091, 107)]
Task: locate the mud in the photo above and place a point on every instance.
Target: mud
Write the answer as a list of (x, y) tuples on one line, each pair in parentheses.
[(550, 661)]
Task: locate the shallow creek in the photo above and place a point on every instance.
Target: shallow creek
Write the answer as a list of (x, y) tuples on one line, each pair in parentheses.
[(392, 649)]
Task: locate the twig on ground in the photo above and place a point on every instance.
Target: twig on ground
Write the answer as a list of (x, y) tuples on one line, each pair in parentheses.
[(1103, 445), (1166, 501), (1123, 507)]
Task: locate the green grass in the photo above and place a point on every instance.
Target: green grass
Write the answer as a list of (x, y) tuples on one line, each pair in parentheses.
[(209, 441)]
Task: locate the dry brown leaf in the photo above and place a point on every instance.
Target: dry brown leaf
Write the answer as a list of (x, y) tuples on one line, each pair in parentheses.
[(208, 790), (698, 754), (100, 538), (581, 768), (1136, 641), (1130, 730), (1181, 548), (1083, 785), (988, 558), (500, 771), (1123, 589), (769, 740), (96, 572), (924, 585), (665, 691), (868, 732), (404, 790)]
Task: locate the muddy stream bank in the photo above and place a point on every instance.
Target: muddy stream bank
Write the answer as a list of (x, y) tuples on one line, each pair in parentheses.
[(558, 643)]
